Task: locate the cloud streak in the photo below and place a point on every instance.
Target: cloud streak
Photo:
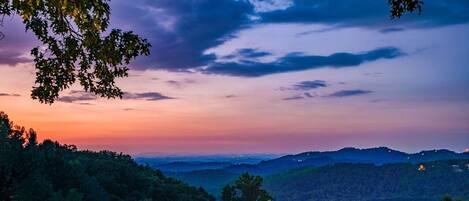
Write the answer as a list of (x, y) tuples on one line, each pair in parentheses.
[(298, 62), (80, 96), (347, 93), (9, 94), (179, 84), (247, 53), (297, 97), (12, 57), (308, 85), (149, 96)]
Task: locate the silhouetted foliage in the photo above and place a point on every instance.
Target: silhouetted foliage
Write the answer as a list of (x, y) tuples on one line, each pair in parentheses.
[(246, 188), (49, 171), (399, 7), (75, 48)]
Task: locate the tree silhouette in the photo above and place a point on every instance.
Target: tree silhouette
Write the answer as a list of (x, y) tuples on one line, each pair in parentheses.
[(399, 7), (76, 49), (246, 188)]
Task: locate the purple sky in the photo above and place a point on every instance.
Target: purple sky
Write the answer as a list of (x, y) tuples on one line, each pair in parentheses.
[(265, 76)]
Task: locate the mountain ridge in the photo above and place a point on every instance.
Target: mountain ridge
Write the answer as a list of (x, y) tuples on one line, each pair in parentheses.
[(376, 156)]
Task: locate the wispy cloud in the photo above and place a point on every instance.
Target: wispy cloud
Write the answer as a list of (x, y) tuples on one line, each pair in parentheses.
[(181, 83), (308, 85), (347, 93), (80, 96), (247, 53), (77, 96), (149, 96), (12, 57), (296, 97), (309, 95), (10, 94), (231, 96)]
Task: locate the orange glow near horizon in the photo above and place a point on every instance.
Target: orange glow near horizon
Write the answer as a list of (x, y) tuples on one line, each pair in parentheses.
[(215, 123)]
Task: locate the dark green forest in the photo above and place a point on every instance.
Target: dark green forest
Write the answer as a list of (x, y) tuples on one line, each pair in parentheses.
[(49, 171), (353, 181), (367, 182)]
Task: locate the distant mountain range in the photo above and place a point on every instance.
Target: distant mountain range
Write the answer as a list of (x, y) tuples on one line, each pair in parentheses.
[(345, 174), (184, 163), (376, 156), (192, 166)]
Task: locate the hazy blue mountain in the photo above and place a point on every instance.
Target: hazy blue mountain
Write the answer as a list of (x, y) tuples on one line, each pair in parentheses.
[(191, 166), (376, 156), (287, 170), (190, 161)]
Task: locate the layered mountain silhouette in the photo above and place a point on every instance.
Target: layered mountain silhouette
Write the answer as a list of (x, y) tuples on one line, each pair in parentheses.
[(376, 156), (373, 174)]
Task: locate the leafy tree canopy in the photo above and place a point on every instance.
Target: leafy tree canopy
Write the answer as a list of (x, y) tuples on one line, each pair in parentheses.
[(75, 46), (246, 188), (399, 7)]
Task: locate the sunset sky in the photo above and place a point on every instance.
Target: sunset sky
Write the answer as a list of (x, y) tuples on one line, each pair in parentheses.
[(271, 76)]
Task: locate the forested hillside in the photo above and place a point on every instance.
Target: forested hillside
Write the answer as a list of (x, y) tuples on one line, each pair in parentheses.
[(354, 181), (49, 171), (366, 182)]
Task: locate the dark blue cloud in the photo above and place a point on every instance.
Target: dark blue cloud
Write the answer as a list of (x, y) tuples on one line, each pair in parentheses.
[(368, 13), (391, 30), (181, 31), (308, 85), (298, 62), (347, 93)]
